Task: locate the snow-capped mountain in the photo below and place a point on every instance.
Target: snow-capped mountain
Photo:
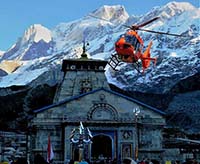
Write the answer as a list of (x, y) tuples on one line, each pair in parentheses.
[(114, 14), (40, 49), (36, 42)]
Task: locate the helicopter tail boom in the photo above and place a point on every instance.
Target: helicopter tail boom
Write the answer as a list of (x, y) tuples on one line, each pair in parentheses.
[(146, 57)]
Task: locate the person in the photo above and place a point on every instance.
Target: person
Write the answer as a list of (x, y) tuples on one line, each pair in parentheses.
[(143, 161), (39, 159), (83, 162), (128, 161), (21, 161), (114, 161), (71, 161)]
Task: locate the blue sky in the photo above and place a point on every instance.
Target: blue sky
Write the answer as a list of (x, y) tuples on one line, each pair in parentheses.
[(17, 15)]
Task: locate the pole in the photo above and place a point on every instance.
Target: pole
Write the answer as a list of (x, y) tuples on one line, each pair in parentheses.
[(80, 147), (80, 154), (136, 139), (82, 131), (136, 111)]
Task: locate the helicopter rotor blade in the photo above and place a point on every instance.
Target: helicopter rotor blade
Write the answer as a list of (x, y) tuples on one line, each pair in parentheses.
[(127, 26), (91, 15), (148, 22), (159, 32), (136, 27)]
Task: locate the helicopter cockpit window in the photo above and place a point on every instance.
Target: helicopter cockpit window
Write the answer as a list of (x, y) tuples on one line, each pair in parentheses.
[(121, 36), (133, 41)]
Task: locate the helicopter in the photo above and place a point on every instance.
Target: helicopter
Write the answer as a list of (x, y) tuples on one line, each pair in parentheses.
[(129, 47)]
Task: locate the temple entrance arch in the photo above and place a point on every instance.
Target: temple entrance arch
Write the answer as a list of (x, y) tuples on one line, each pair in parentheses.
[(101, 147)]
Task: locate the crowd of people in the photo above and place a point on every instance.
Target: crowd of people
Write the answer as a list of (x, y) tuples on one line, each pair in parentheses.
[(40, 160), (131, 161)]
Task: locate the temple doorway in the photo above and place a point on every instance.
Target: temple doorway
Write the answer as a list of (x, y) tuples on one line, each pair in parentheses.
[(101, 147)]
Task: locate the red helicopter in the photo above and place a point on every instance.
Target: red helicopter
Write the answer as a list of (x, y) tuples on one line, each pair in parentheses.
[(129, 47)]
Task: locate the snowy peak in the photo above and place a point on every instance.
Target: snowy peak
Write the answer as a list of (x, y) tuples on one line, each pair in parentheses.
[(172, 9), (35, 43), (177, 8), (175, 17), (36, 33), (88, 28), (112, 13), (180, 6)]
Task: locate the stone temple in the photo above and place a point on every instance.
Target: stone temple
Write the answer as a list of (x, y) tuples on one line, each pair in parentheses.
[(121, 126)]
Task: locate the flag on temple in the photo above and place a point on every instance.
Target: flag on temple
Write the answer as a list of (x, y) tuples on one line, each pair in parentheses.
[(50, 153)]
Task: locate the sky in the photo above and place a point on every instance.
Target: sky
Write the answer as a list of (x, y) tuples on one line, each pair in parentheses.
[(16, 16)]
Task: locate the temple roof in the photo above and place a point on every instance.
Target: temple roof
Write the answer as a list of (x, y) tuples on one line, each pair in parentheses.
[(94, 91)]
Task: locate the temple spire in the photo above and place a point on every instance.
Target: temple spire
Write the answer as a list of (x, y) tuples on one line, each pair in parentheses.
[(84, 54)]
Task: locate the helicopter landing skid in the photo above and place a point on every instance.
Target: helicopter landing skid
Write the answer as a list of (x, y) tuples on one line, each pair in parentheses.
[(114, 61), (137, 66)]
